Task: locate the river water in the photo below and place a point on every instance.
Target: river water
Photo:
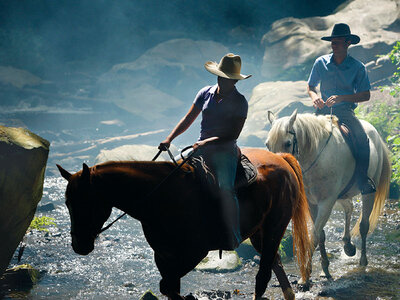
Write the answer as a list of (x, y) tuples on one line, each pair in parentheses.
[(122, 265)]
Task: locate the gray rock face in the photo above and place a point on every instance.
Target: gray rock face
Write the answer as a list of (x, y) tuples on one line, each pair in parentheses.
[(281, 97), (23, 157), (292, 41)]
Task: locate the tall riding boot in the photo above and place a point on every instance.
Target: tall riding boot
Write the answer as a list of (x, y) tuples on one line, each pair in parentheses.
[(365, 184)]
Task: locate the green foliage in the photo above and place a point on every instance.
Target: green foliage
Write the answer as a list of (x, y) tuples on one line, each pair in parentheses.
[(386, 117), (41, 223), (394, 56)]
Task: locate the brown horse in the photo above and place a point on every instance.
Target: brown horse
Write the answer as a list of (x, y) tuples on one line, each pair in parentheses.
[(179, 218)]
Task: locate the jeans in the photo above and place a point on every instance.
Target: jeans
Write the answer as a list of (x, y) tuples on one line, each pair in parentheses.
[(223, 160), (347, 117)]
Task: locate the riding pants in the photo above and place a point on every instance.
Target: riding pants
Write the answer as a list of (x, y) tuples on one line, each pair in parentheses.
[(347, 117), (223, 160)]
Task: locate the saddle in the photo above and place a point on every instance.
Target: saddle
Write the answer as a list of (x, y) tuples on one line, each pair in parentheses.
[(246, 172)]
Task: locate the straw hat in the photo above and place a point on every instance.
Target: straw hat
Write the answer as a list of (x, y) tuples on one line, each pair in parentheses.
[(342, 30), (228, 67)]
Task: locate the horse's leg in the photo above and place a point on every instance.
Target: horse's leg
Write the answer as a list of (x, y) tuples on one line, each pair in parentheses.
[(277, 267), (348, 247), (273, 229), (173, 268), (324, 211), (367, 205)]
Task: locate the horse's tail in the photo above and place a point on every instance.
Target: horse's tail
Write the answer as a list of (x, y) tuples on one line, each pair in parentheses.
[(380, 194), (301, 219)]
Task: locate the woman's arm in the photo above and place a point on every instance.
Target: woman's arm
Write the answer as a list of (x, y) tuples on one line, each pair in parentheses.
[(237, 125), (181, 127)]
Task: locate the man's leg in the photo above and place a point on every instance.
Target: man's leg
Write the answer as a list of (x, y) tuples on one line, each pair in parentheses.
[(361, 140)]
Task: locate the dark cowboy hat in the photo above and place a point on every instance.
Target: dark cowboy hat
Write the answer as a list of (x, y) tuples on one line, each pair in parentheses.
[(342, 30)]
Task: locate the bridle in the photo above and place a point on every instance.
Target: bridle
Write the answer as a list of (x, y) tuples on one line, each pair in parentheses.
[(295, 147)]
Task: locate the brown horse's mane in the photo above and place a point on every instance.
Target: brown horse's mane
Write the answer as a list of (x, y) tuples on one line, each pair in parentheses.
[(159, 166)]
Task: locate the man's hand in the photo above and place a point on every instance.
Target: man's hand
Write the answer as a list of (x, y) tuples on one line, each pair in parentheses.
[(318, 103), (332, 100)]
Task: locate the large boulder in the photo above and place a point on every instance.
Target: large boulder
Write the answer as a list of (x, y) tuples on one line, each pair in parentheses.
[(132, 152), (292, 41), (281, 97), (23, 157)]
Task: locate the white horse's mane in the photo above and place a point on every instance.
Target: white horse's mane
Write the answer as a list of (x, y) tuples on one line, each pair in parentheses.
[(310, 129)]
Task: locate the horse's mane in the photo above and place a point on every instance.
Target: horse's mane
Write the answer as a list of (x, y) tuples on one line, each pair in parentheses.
[(136, 164), (310, 130)]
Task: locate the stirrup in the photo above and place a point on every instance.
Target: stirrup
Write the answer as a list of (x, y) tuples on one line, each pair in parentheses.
[(368, 187)]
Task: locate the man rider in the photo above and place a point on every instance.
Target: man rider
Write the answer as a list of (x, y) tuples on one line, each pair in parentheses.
[(343, 83)]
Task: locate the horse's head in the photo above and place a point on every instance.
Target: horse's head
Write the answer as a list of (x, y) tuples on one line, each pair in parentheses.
[(282, 137), (87, 213)]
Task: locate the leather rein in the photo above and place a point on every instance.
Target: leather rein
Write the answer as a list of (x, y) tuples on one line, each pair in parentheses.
[(178, 166)]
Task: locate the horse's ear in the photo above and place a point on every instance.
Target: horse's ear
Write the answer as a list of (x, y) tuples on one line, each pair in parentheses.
[(271, 117), (85, 171), (64, 173), (292, 119)]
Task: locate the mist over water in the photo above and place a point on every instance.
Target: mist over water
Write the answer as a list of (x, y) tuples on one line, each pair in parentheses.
[(68, 66)]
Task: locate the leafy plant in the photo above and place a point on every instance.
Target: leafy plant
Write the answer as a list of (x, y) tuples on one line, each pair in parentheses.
[(41, 223), (385, 117)]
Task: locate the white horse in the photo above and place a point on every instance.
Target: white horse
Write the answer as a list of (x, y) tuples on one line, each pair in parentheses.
[(328, 166)]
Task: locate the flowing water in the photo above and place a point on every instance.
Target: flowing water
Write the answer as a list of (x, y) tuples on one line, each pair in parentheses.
[(122, 265)]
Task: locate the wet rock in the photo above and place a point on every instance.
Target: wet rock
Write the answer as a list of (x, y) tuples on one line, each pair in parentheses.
[(132, 152), (230, 262), (23, 157), (149, 295), (46, 207), (246, 250), (22, 277)]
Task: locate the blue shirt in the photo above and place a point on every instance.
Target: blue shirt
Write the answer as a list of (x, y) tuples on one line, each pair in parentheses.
[(217, 117), (350, 77)]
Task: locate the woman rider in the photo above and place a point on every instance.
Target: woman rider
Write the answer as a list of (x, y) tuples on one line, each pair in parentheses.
[(224, 111)]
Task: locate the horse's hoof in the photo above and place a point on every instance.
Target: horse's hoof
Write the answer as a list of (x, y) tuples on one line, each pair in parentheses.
[(288, 294), (363, 261), (303, 285), (349, 249)]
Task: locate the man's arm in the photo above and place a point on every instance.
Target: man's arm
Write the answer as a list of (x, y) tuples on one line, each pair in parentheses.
[(317, 100), (354, 98)]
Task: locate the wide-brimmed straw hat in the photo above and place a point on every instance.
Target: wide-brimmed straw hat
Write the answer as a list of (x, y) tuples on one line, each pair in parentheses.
[(229, 67), (342, 30)]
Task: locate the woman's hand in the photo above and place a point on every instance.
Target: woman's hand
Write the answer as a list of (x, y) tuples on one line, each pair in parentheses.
[(199, 144), (164, 145), (203, 142)]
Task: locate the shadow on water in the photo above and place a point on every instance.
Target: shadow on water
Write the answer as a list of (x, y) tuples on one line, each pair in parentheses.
[(364, 283)]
